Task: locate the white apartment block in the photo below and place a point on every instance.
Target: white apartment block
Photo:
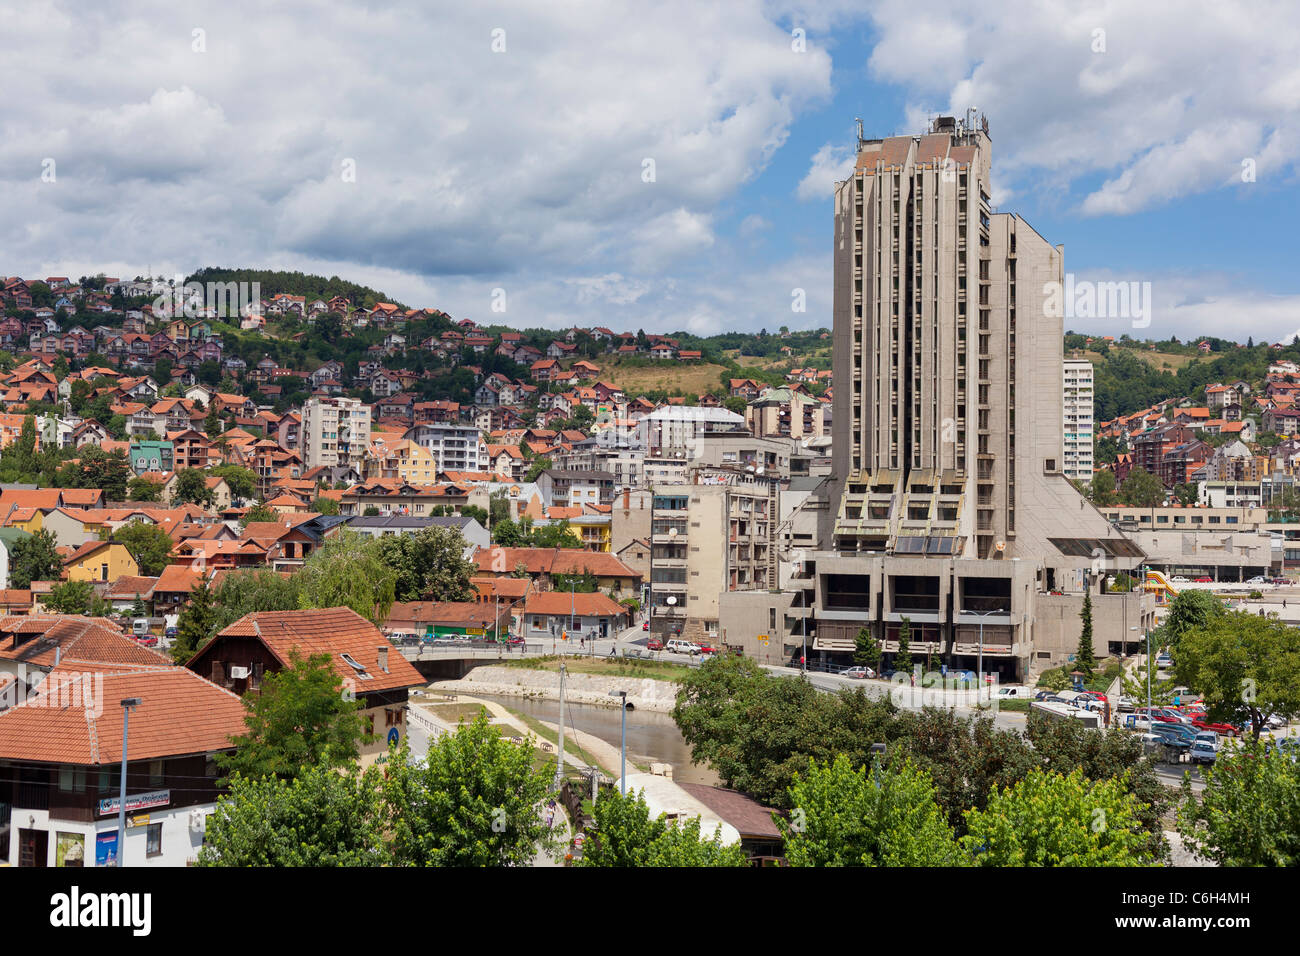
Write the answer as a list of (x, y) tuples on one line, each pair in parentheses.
[(456, 447), (1077, 407), (335, 431)]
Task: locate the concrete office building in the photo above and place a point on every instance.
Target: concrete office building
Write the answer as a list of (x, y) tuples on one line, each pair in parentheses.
[(335, 431), (949, 502), (1077, 400)]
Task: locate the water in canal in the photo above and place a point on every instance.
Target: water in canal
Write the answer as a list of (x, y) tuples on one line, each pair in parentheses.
[(650, 736)]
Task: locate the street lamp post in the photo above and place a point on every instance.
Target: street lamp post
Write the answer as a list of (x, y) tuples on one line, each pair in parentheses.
[(979, 648), (622, 750), (1147, 638), (127, 704)]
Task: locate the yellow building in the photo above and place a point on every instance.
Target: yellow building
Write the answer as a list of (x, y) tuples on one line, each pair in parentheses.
[(401, 460), (103, 561)]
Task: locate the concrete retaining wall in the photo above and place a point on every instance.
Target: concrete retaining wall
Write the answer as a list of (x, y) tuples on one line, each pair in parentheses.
[(643, 693)]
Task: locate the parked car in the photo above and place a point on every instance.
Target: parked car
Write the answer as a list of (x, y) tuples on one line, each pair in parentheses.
[(859, 672), (1013, 692), (1044, 695), (514, 640), (1258, 579), (1205, 579), (682, 647), (1202, 751), (1226, 730), (147, 640), (654, 644), (1178, 579), (1126, 704), (1164, 662), (708, 649)]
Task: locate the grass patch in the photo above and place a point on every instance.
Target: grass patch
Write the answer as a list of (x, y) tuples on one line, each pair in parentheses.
[(552, 736), (606, 667), (698, 379), (1101, 679), (455, 713), (1014, 706)]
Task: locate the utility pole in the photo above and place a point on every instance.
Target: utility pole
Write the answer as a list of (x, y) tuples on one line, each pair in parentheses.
[(622, 766), (559, 764)]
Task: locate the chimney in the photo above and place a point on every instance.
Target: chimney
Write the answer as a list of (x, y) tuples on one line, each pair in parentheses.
[(383, 658)]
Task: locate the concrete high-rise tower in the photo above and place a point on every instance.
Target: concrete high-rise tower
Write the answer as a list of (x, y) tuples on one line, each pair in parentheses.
[(949, 506)]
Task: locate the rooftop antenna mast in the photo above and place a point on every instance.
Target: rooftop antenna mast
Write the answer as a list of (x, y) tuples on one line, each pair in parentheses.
[(858, 120)]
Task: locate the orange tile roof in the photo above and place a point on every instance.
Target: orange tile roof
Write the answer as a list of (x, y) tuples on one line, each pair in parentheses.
[(179, 714), (334, 631), (33, 639), (583, 605), (176, 578)]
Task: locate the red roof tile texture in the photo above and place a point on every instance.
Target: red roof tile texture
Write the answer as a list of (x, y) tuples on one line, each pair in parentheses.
[(74, 717)]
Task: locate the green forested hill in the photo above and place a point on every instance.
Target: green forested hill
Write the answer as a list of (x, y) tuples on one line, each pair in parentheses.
[(295, 283)]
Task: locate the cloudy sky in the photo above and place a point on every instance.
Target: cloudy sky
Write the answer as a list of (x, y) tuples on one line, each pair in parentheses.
[(660, 166)]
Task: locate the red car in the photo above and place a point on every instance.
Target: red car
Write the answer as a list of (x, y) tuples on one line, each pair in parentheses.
[(1204, 579), (1226, 730), (654, 644), (707, 649), (147, 640)]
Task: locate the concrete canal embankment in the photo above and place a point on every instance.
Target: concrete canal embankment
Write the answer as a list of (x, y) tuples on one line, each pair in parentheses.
[(643, 693)]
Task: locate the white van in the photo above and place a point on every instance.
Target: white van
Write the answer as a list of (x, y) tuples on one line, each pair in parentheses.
[(1014, 692)]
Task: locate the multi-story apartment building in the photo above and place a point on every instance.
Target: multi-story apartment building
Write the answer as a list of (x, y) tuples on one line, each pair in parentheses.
[(949, 505), (673, 430), (335, 431), (784, 413), (707, 539), (401, 460), (1077, 402), (456, 447)]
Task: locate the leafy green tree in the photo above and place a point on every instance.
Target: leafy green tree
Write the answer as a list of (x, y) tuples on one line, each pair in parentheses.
[(1102, 488), (138, 609), (474, 801), (539, 465), (509, 534), (319, 817), (302, 718), (250, 591), (429, 565), (212, 424), (76, 597), (259, 512), (96, 468), (557, 534), (1245, 668), (1048, 819), (1065, 746), (1084, 658), (195, 624), (348, 571), (34, 558), (1141, 489), (149, 544), (1186, 492), (866, 649), (325, 506), (903, 657), (372, 511), (624, 835), (241, 481), (144, 489), (846, 816), (192, 488), (1249, 812), (1187, 612)]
